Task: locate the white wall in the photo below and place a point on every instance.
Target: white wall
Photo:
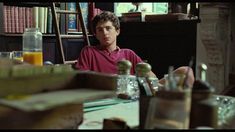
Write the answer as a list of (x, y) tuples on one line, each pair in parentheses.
[(214, 43), (232, 44)]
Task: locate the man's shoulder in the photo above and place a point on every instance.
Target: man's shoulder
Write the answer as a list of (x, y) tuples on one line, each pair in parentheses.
[(127, 50), (88, 50), (89, 47)]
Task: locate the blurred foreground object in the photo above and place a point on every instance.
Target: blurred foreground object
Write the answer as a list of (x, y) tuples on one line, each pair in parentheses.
[(48, 96)]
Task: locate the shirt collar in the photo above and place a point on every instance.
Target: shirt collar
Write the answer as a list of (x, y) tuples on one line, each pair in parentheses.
[(105, 50)]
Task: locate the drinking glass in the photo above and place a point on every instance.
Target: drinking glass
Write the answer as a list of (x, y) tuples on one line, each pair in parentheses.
[(17, 55), (6, 55)]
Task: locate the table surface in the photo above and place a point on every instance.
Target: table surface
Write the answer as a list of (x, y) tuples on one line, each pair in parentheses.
[(110, 108), (96, 111)]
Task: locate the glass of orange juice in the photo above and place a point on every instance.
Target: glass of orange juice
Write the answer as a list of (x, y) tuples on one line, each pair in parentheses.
[(32, 46), (17, 55), (34, 58)]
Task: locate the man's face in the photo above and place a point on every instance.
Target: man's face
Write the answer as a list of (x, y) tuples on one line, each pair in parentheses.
[(106, 33)]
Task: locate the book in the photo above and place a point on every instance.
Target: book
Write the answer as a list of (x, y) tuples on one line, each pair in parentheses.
[(16, 19), (84, 11), (45, 19), (5, 29), (132, 16), (35, 17), (49, 21), (20, 15), (31, 17), (27, 13), (166, 17), (62, 19), (24, 17), (72, 18), (41, 19), (60, 109), (58, 16), (13, 29), (8, 19)]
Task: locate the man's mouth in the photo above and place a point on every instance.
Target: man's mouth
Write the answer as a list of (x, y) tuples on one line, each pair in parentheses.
[(106, 39)]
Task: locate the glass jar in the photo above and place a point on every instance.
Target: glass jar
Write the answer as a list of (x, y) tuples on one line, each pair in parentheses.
[(32, 46), (127, 87)]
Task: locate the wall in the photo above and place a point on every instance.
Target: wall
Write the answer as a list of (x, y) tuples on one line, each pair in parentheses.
[(232, 46), (214, 43), (162, 44)]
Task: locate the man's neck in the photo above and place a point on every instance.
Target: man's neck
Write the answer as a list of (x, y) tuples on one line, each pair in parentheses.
[(109, 48)]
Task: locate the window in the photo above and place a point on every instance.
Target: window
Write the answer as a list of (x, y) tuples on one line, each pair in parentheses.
[(156, 7)]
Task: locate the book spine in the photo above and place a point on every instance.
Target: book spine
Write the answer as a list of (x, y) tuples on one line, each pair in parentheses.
[(27, 17), (58, 19), (131, 19), (16, 19), (72, 19), (84, 9), (20, 15), (13, 30), (30, 17), (45, 19), (35, 17), (9, 19), (49, 21), (24, 17), (62, 20), (41, 19), (5, 18)]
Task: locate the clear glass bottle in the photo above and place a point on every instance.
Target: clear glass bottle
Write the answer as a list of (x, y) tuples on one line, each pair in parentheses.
[(142, 78), (127, 86), (32, 46)]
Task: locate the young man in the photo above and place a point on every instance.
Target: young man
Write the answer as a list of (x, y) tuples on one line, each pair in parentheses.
[(104, 57)]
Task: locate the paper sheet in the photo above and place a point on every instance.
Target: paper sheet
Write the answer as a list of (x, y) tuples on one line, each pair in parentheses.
[(129, 112)]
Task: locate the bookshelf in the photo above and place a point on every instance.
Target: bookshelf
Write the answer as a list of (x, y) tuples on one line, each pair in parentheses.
[(21, 15), (13, 40)]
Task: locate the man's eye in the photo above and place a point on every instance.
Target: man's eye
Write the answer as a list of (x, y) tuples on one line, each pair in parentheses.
[(108, 28)]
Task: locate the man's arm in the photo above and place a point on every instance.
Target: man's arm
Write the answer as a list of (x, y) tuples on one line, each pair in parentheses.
[(183, 70), (82, 61), (151, 74)]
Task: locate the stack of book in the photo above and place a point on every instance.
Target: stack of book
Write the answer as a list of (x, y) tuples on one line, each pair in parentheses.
[(16, 19), (166, 17), (53, 96), (132, 17)]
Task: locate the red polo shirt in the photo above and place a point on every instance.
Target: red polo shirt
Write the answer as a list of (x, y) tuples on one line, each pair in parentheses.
[(94, 58)]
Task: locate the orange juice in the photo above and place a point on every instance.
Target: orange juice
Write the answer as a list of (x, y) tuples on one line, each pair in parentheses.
[(18, 58), (34, 58)]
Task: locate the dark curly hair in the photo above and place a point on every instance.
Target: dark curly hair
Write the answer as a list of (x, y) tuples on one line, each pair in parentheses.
[(104, 17)]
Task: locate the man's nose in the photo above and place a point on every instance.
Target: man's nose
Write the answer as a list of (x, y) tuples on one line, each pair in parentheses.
[(105, 31)]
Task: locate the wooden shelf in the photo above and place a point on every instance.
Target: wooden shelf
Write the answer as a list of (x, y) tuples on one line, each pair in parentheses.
[(29, 4), (20, 35), (26, 4), (45, 35)]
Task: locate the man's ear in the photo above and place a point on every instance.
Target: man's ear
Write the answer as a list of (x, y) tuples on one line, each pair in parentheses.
[(118, 31)]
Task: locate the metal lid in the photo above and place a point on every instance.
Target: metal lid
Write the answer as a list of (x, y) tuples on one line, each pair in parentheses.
[(124, 66), (142, 69), (202, 86)]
